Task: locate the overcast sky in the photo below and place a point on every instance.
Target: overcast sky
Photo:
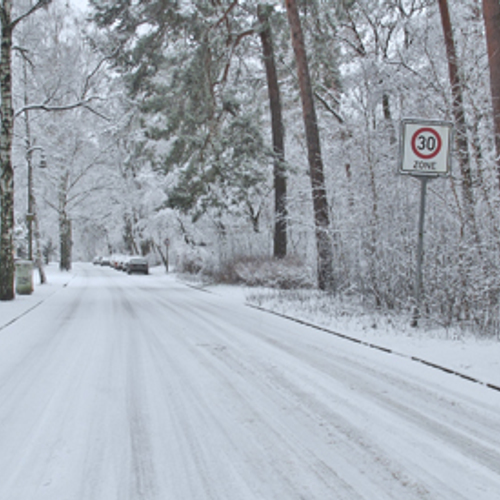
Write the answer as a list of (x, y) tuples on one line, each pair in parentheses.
[(79, 4)]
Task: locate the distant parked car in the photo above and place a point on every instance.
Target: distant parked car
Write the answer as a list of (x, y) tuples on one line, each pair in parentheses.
[(97, 261), (137, 265), (124, 262), (113, 261), (105, 261)]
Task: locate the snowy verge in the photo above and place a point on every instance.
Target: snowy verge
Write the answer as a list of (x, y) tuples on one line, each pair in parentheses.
[(457, 350), (11, 310)]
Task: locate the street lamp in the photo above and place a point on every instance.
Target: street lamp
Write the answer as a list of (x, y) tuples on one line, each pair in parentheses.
[(31, 202)]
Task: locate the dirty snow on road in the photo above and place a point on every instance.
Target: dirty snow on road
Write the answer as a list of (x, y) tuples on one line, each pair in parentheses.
[(137, 387)]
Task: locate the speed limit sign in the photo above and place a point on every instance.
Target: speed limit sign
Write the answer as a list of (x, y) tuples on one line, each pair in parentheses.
[(425, 148)]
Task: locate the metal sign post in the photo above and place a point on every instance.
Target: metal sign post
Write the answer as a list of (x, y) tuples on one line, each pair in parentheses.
[(425, 153), (420, 252)]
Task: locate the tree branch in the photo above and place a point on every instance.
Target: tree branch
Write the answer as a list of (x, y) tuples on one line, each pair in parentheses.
[(329, 108), (225, 15), (78, 198), (100, 115), (235, 44), (38, 5), (45, 107), (95, 70)]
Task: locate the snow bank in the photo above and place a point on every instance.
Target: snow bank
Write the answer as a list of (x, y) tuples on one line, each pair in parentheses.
[(22, 304)]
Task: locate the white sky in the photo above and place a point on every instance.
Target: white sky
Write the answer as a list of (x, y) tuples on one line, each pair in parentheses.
[(79, 4)]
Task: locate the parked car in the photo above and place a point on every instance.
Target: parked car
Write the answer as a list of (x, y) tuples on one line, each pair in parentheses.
[(121, 262), (97, 261), (105, 261), (112, 261), (137, 265)]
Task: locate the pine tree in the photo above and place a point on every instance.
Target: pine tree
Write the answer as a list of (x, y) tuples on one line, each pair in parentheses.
[(280, 188), (320, 201)]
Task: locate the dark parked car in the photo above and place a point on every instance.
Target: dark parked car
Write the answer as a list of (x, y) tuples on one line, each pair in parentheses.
[(137, 265)]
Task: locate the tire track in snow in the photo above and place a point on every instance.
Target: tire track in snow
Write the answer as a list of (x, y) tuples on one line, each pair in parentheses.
[(143, 476), (484, 453), (229, 367)]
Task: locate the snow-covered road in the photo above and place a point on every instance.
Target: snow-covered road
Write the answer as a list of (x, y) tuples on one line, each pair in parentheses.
[(139, 387)]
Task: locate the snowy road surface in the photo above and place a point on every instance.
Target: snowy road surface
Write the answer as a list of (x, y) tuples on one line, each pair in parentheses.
[(138, 387)]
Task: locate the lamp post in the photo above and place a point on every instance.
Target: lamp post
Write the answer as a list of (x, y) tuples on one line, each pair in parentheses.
[(31, 205)]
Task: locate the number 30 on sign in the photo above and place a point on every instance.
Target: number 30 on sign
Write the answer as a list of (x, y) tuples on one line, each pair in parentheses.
[(425, 148)]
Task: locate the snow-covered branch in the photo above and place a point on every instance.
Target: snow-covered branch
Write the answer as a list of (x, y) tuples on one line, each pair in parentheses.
[(45, 107), (38, 5)]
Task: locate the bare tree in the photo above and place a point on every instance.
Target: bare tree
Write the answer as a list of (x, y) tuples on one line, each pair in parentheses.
[(6, 133)]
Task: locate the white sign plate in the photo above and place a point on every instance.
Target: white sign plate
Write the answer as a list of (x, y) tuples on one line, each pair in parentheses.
[(425, 148)]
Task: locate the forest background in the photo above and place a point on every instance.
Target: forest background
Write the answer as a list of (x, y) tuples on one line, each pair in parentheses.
[(151, 123)]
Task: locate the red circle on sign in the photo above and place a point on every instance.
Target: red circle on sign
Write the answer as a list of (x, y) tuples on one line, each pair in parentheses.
[(426, 144)]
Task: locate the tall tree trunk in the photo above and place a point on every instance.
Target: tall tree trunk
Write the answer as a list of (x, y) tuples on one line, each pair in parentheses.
[(65, 235), (386, 106), (6, 169), (460, 125), (38, 250), (280, 188), (6, 132), (65, 242), (32, 217), (320, 202), (470, 240), (491, 14), (29, 162), (163, 254)]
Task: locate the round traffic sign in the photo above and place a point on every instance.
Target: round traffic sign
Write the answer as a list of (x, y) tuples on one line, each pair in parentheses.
[(426, 143)]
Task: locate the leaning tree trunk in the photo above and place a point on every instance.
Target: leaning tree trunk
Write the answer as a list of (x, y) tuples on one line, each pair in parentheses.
[(470, 240), (320, 202), (6, 169), (280, 188), (491, 14), (460, 125)]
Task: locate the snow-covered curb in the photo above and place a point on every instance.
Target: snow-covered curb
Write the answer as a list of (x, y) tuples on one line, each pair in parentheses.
[(465, 354), (12, 310)]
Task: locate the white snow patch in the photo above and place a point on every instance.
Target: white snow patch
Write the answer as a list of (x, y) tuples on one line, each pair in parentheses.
[(56, 280), (458, 350)]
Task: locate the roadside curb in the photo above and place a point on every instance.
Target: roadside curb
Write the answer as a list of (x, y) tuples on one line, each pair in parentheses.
[(200, 288), (380, 348), (36, 304), (24, 313)]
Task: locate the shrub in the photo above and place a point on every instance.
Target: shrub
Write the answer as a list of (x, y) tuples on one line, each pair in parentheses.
[(289, 273)]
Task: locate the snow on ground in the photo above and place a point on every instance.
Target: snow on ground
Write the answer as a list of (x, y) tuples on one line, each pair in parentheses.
[(56, 280), (457, 350), (116, 387)]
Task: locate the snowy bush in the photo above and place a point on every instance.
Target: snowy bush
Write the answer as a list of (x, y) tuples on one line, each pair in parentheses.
[(288, 273), (191, 260)]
